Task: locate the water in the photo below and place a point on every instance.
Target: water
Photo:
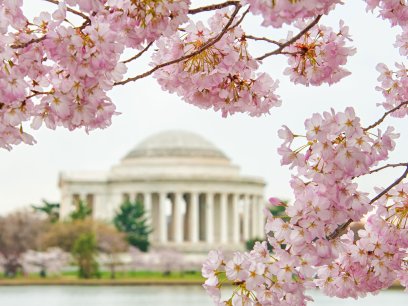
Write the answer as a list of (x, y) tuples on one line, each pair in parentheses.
[(153, 295)]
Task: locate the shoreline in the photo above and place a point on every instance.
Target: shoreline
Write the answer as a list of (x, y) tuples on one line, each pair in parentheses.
[(118, 282), (99, 282)]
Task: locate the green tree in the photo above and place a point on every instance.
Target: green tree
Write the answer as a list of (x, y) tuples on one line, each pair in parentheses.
[(72, 236), (131, 220), (84, 251), (50, 209), (82, 211)]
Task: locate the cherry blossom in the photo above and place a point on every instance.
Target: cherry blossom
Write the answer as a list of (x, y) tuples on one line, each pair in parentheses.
[(319, 55), (57, 69), (278, 12), (222, 77)]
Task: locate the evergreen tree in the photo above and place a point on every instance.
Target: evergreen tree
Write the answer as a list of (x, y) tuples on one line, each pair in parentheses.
[(50, 209), (131, 220), (82, 211)]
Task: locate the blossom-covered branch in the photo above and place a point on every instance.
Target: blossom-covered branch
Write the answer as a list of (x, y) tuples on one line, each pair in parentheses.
[(205, 46), (340, 230), (292, 40)]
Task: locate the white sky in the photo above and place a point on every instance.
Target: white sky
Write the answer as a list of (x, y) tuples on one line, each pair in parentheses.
[(30, 173)]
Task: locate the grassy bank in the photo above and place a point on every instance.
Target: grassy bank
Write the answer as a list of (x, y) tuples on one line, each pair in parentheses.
[(121, 279)]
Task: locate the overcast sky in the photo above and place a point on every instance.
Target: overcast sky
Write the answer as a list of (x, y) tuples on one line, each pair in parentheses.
[(30, 173)]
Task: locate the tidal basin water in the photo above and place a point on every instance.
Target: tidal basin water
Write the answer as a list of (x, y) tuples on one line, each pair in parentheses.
[(154, 295)]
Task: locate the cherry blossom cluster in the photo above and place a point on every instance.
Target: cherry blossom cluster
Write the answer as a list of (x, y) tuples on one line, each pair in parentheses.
[(278, 12), (396, 11), (142, 21), (394, 88), (308, 250), (337, 149), (369, 262), (56, 73), (319, 56), (222, 76)]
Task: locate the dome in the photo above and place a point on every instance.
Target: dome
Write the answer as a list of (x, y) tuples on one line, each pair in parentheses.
[(176, 144)]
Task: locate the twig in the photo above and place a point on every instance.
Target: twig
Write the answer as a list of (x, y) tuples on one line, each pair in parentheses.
[(37, 93), (208, 44), (379, 121), (240, 19), (389, 166), (292, 40), (263, 39), (396, 182), (342, 227), (138, 54), (213, 7), (72, 11)]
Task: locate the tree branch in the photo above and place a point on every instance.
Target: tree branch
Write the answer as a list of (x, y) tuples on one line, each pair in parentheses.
[(263, 39), (379, 121), (389, 166), (72, 11), (138, 54), (26, 44), (213, 7), (292, 40), (208, 44), (342, 227)]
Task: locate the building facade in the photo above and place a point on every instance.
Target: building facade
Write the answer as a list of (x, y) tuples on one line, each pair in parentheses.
[(195, 198)]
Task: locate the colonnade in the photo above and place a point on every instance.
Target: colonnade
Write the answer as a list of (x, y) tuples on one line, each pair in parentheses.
[(192, 217), (178, 217)]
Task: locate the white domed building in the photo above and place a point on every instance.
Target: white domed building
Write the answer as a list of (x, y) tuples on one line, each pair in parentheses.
[(194, 197)]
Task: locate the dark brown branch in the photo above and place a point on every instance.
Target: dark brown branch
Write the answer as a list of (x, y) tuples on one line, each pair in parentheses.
[(32, 41), (213, 7), (396, 182), (379, 121), (342, 227), (292, 40), (263, 39), (37, 93), (72, 11), (208, 44), (138, 54)]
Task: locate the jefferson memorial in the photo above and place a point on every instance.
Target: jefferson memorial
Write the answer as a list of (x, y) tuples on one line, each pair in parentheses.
[(195, 198)]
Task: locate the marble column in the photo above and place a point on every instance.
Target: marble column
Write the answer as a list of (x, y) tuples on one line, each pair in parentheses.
[(245, 221), (261, 217), (194, 222), (235, 219), (209, 217), (147, 205), (223, 218), (178, 218), (254, 217), (162, 218)]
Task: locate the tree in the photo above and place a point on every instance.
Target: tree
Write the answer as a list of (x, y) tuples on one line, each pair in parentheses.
[(50, 209), (52, 261), (84, 250), (81, 212), (19, 232), (58, 68), (112, 243), (132, 221), (73, 236)]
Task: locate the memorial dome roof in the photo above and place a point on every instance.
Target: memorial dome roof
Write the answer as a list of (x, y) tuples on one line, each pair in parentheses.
[(175, 143)]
